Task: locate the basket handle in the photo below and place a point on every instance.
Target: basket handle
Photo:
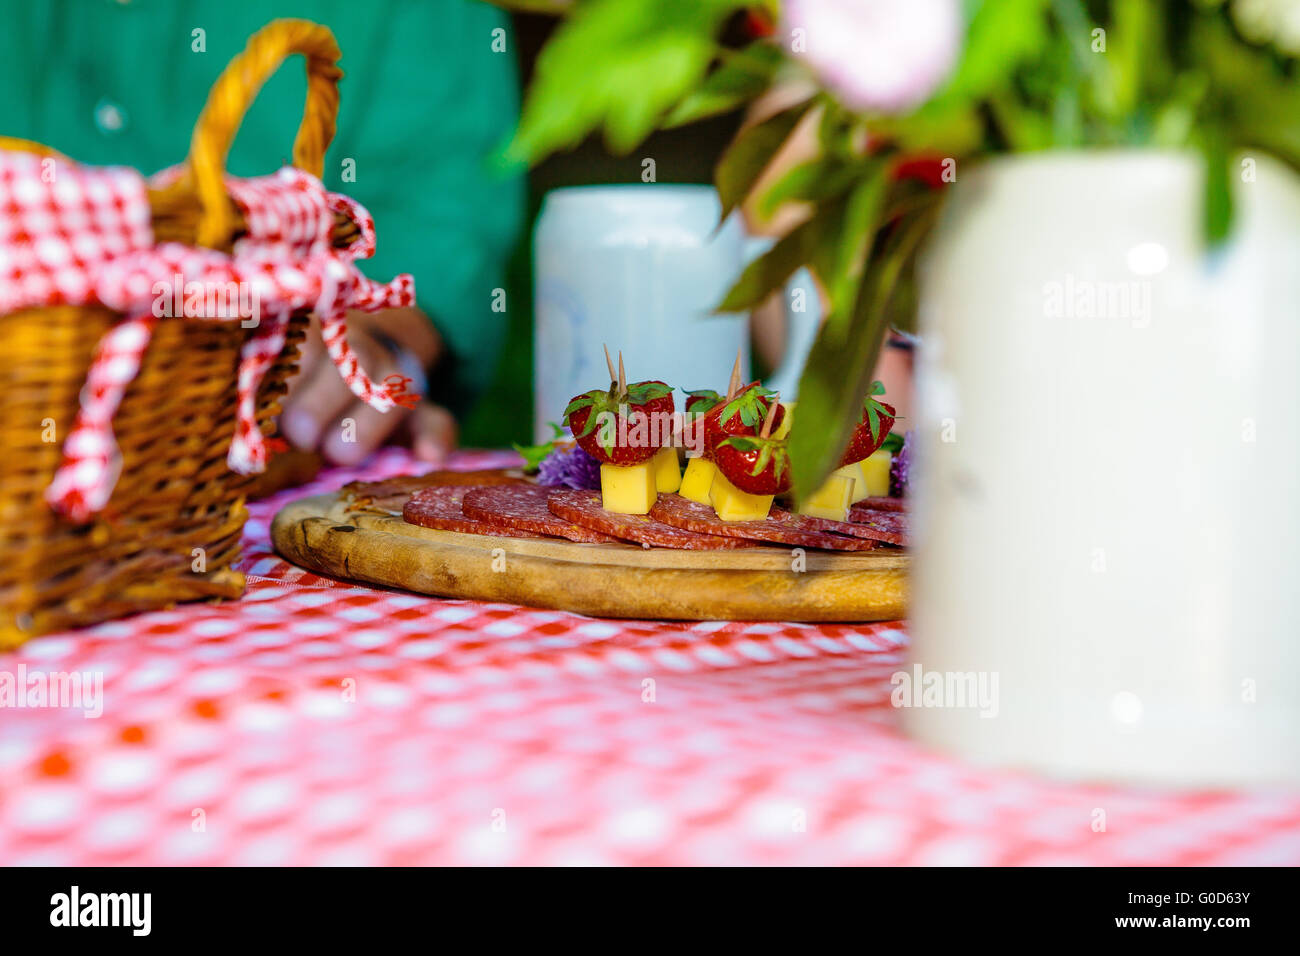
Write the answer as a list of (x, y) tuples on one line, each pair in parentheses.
[(15, 145), (233, 94)]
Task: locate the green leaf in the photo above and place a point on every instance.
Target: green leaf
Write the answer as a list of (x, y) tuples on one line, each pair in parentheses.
[(1134, 36), (647, 86), (1000, 35), (709, 399), (533, 454), (743, 76), (750, 152), (641, 392), (579, 403), (817, 179), (946, 129), (1025, 129), (740, 443), (1218, 187), (893, 443), (861, 222), (838, 372), (616, 64), (771, 270), (751, 405), (1259, 97)]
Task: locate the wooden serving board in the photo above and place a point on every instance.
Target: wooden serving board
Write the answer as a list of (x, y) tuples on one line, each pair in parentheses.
[(604, 580)]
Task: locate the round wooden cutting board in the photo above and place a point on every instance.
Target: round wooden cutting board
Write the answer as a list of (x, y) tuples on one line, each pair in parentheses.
[(323, 534)]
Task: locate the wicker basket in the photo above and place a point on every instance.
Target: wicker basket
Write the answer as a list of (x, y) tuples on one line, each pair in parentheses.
[(171, 530)]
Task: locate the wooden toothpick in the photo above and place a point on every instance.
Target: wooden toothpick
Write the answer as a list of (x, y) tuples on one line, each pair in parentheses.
[(622, 376), (609, 363), (771, 416), (734, 385)]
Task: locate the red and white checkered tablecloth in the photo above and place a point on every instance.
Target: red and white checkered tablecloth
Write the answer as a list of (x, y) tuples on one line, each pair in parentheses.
[(316, 722)]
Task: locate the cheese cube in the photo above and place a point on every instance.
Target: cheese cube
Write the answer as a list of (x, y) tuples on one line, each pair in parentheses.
[(668, 473), (732, 504), (831, 500), (783, 429), (628, 489), (698, 480), (875, 473), (853, 472)]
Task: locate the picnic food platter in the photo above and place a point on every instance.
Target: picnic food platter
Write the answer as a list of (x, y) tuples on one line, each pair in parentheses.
[(359, 534), (612, 525)]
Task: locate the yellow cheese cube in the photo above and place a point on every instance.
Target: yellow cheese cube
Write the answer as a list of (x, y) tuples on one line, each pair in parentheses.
[(831, 500), (698, 480), (875, 473), (668, 473), (732, 504), (853, 472), (783, 429), (628, 489)]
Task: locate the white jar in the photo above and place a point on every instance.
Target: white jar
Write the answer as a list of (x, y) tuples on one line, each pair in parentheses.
[(1106, 507)]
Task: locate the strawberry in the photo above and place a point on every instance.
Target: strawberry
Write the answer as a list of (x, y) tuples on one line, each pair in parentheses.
[(754, 464), (870, 433), (743, 415), (623, 428)]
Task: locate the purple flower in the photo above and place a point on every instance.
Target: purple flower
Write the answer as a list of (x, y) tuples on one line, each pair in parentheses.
[(876, 55), (569, 466), (898, 471)]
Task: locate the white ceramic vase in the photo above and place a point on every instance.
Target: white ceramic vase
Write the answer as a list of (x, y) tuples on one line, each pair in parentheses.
[(1106, 510)]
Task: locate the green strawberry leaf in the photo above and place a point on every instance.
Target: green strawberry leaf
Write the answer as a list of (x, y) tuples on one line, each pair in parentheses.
[(893, 443), (750, 404), (740, 443), (873, 421), (642, 392), (708, 400), (590, 427), (581, 402)]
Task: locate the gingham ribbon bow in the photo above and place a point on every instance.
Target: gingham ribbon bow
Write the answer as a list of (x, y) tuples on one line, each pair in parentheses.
[(72, 235)]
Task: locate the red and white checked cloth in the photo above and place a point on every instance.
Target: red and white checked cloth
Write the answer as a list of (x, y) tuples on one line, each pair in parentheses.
[(76, 235), (320, 722)]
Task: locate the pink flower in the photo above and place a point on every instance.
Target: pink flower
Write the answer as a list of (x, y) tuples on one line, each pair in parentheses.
[(876, 55)]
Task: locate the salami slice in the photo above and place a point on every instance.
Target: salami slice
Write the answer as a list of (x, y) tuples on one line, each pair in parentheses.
[(440, 507), (524, 507), (880, 504), (583, 508), (887, 526), (779, 527), (391, 494)]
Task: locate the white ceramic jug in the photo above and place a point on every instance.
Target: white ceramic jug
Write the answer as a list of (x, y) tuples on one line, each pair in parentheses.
[(1107, 518)]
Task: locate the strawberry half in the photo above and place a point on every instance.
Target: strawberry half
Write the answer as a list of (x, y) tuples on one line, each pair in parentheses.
[(870, 433), (757, 465), (743, 415), (623, 429)]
